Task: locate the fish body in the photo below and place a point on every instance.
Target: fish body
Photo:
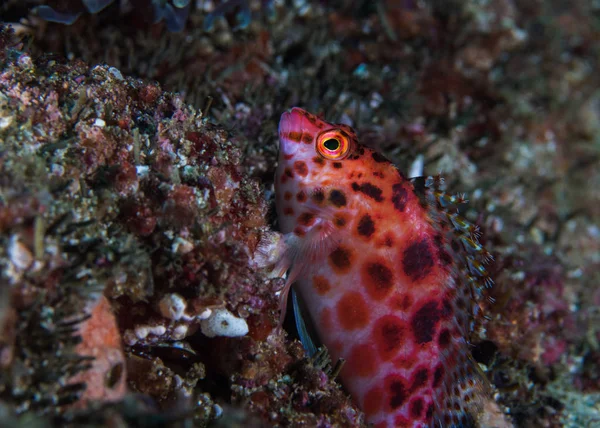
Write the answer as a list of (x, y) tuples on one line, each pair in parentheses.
[(374, 263)]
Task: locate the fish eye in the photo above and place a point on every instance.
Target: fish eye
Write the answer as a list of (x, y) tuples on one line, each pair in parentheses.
[(333, 144)]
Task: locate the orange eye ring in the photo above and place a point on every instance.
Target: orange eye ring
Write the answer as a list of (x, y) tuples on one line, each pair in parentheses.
[(333, 144)]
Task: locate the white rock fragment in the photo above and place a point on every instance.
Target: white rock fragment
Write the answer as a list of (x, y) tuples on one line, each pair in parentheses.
[(158, 330), (180, 332), (181, 246), (19, 254), (172, 306), (99, 123), (144, 331), (224, 323), (142, 171), (205, 314), (116, 73), (5, 122)]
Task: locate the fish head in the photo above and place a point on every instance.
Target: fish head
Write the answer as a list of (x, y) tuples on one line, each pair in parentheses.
[(311, 152), (323, 169)]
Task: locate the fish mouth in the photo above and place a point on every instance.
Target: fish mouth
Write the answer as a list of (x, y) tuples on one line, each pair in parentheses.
[(284, 128), (291, 120), (284, 123)]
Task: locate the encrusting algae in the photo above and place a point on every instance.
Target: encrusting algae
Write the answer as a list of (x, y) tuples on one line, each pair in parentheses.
[(121, 207)]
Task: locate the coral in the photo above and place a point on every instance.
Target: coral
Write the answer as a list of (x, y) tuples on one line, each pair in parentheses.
[(120, 199)]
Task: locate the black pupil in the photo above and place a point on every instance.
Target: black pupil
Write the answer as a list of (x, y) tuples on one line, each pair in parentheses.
[(332, 144)]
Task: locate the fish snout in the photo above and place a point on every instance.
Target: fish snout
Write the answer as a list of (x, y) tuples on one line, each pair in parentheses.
[(297, 131)]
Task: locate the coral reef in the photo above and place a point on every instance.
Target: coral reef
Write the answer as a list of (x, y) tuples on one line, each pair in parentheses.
[(112, 187), (136, 188)]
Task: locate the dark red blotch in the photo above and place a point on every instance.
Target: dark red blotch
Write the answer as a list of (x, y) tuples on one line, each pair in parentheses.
[(437, 376), (399, 196), (337, 198), (368, 189), (378, 279), (425, 321), (416, 407), (388, 334), (301, 168), (397, 394), (417, 260), (419, 379), (366, 226)]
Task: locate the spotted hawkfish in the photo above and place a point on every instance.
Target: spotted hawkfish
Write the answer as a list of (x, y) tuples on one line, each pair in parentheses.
[(390, 274)]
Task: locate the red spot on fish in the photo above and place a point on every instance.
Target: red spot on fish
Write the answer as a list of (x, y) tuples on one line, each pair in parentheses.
[(301, 196), (340, 220), (361, 361), (396, 390), (307, 138), (294, 136), (419, 379), (444, 338), (306, 219), (388, 334), (352, 311), (366, 226), (337, 198), (424, 322), (288, 172), (288, 211), (321, 284), (429, 412), (368, 189), (417, 260), (287, 196), (318, 196), (373, 401), (337, 165), (341, 259), (378, 279), (288, 157), (437, 376), (416, 407), (298, 231), (301, 168), (399, 197), (442, 254), (447, 310)]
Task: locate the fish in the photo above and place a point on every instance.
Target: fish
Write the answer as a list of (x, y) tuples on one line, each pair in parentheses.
[(390, 274)]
